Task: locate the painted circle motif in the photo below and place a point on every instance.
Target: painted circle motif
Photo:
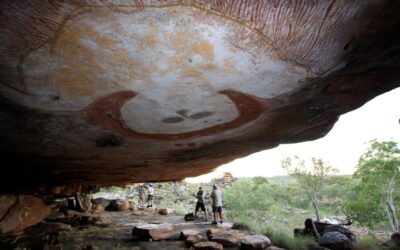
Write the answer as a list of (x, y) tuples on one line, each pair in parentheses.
[(175, 64)]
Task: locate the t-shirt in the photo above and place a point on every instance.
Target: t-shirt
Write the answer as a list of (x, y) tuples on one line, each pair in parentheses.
[(216, 197), (200, 196), (151, 191)]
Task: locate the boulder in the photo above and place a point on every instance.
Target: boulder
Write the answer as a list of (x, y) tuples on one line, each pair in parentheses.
[(335, 241), (323, 228), (193, 239), (341, 229), (188, 232), (6, 202), (153, 231), (395, 237), (101, 201), (133, 206), (226, 237), (118, 205), (251, 242), (394, 242), (21, 211), (97, 208), (190, 217), (83, 202), (165, 211), (207, 245)]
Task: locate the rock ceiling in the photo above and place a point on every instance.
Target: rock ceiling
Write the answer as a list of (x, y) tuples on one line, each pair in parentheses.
[(111, 92)]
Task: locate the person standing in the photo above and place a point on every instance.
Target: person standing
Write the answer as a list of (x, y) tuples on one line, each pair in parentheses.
[(200, 202), (150, 195), (142, 195), (216, 199)]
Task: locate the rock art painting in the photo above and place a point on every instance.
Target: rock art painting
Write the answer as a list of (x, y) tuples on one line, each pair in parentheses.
[(117, 91)]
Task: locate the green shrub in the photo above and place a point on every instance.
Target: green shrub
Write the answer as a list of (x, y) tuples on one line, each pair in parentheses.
[(278, 236)]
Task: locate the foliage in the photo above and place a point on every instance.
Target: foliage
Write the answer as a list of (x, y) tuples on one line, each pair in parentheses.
[(310, 179), (247, 198), (377, 193), (258, 180), (278, 235), (362, 205)]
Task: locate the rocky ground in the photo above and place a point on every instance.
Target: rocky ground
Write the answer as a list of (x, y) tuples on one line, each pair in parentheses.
[(114, 230)]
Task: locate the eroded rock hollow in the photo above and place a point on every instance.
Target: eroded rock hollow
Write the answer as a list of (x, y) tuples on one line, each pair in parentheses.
[(121, 91)]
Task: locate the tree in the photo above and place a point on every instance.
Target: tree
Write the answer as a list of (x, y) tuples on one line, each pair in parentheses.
[(378, 172), (311, 179)]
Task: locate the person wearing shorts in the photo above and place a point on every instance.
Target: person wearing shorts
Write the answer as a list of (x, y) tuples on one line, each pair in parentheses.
[(216, 199), (200, 202), (150, 195)]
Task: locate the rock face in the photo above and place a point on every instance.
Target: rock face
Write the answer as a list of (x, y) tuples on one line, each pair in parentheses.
[(114, 92), (154, 231), (18, 212)]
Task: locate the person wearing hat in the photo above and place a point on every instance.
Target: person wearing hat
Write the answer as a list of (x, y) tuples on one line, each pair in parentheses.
[(216, 202), (150, 191)]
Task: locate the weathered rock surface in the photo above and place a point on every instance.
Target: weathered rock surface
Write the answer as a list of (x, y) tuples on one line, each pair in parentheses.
[(83, 202), (165, 211), (21, 211), (192, 237), (226, 237), (336, 241), (111, 92), (154, 231), (145, 211), (251, 242), (118, 205), (98, 208), (207, 245), (101, 201), (188, 232)]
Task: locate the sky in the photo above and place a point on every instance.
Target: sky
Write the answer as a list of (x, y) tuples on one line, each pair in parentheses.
[(341, 147)]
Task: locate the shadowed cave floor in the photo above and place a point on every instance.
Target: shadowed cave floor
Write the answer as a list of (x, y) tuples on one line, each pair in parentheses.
[(113, 232)]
